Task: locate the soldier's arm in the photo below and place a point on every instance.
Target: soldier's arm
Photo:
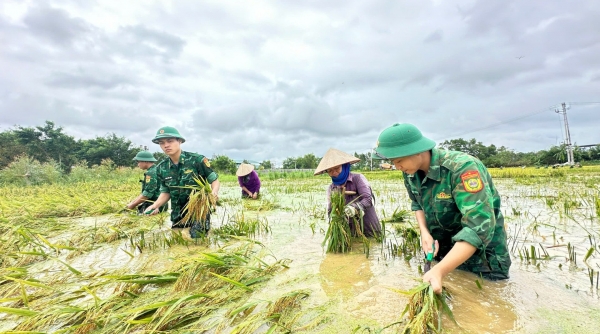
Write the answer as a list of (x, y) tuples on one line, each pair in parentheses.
[(474, 199), (151, 188), (137, 201), (414, 205), (460, 252), (160, 201), (163, 198)]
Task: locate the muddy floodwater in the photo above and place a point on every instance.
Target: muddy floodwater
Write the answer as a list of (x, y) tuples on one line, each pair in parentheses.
[(553, 230)]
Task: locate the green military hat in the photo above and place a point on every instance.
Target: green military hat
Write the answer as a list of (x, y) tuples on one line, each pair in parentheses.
[(144, 156), (167, 132), (402, 140)]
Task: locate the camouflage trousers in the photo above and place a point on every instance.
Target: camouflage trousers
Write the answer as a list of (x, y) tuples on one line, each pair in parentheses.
[(487, 265), (197, 229)]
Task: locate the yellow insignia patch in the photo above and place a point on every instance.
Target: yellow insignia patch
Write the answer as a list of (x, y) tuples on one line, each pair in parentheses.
[(443, 195), (148, 178), (472, 181), (187, 171), (206, 162)]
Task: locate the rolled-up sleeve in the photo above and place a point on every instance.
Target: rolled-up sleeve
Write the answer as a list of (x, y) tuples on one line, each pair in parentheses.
[(474, 199)]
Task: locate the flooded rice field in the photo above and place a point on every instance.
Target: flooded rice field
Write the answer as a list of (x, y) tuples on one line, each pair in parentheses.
[(263, 268)]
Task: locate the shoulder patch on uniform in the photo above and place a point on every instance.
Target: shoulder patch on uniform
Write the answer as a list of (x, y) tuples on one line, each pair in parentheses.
[(148, 177), (443, 195), (471, 181), (206, 162)]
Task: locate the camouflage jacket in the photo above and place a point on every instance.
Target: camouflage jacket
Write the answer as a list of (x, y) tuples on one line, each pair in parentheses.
[(171, 177), (150, 187), (461, 204)]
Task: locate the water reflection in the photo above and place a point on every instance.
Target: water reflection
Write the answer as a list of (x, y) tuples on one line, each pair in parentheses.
[(486, 310)]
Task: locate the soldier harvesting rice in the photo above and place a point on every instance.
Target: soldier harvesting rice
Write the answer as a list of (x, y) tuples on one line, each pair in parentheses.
[(175, 177), (150, 190), (455, 202)]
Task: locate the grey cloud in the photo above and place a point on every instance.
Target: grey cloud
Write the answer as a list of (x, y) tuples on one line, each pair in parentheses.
[(140, 41), (82, 80), (55, 25)]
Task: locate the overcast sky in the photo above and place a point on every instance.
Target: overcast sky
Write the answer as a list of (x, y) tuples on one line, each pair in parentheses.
[(273, 79)]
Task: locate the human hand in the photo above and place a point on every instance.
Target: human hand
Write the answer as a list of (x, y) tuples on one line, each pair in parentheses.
[(350, 211), (427, 244), (215, 196), (254, 196), (434, 277)]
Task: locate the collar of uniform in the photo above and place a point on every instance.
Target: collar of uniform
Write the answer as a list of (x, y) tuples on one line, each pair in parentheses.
[(434, 165), (182, 158)]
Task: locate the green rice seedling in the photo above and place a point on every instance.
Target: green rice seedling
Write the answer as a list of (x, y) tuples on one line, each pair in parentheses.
[(338, 234), (200, 203), (425, 309)]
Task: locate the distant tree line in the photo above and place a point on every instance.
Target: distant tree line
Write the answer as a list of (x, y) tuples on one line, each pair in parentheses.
[(493, 156), (48, 143)]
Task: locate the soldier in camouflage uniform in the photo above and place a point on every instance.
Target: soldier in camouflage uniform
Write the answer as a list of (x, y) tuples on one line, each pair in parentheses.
[(178, 171), (150, 191), (455, 202)]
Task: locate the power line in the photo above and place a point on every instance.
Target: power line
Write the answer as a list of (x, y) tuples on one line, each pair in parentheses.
[(552, 108), (499, 123)]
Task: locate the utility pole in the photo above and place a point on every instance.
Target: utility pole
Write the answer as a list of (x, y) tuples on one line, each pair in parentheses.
[(371, 159), (570, 159)]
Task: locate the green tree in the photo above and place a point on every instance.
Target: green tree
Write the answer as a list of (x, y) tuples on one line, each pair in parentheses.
[(11, 148), (308, 161), (472, 147), (290, 163), (266, 164), (118, 149), (223, 164), (47, 142)]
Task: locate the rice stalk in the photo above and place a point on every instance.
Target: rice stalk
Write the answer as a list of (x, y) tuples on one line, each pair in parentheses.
[(200, 203), (425, 309), (338, 233)]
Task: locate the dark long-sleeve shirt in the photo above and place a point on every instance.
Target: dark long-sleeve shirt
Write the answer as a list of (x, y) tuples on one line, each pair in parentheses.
[(250, 181)]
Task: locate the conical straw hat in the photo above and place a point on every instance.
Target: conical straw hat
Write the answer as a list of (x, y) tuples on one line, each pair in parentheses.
[(333, 158), (244, 169)]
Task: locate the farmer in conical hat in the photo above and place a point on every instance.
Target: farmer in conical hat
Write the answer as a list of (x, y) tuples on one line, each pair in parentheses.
[(358, 194), (177, 172), (150, 191), (455, 202), (248, 180)]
